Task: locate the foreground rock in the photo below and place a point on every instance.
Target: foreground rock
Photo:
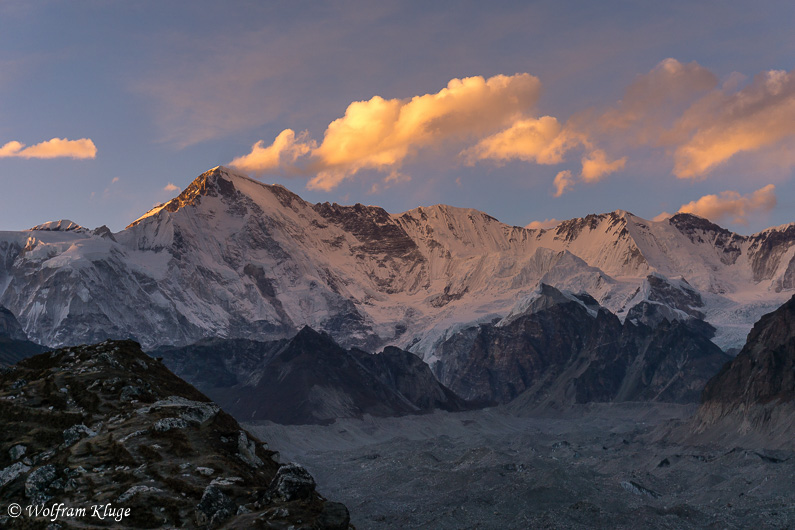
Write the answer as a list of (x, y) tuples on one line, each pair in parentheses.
[(753, 396), (108, 425), (309, 379)]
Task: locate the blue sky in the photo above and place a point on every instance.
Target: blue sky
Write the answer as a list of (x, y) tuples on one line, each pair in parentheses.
[(166, 90)]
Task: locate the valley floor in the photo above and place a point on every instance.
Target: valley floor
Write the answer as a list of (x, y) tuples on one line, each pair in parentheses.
[(597, 466)]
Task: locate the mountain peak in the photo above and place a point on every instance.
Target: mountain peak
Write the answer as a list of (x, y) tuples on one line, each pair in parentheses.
[(624, 214), (218, 181), (62, 225), (546, 296), (687, 222)]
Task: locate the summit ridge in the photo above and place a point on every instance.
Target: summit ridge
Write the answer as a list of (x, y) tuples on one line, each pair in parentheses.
[(233, 257)]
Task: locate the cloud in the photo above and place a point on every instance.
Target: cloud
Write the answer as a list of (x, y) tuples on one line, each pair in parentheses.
[(380, 134), (541, 140), (546, 223), (115, 180), (676, 109), (171, 187), (653, 102), (732, 205), (681, 109), (563, 182), (662, 216), (595, 165), (282, 153), (55, 148), (724, 123)]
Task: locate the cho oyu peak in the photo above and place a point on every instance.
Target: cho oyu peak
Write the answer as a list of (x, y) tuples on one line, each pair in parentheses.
[(233, 257)]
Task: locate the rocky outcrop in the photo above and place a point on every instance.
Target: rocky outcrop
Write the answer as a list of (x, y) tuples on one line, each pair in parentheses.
[(563, 351), (755, 392), (168, 456), (309, 379)]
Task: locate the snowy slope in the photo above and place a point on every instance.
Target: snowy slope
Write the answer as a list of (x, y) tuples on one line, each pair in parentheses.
[(233, 257)]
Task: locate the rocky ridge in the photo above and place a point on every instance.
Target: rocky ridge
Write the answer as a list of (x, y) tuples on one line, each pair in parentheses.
[(566, 349), (309, 379), (754, 394), (107, 425)]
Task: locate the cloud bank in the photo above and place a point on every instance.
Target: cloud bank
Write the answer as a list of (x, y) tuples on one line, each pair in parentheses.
[(724, 124), (55, 148), (676, 109)]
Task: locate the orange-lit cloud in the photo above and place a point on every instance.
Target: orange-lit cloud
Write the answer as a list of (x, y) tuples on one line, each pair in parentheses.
[(282, 153), (170, 187), (542, 140), (563, 182), (731, 205), (681, 107), (380, 134), (55, 148), (676, 108), (595, 165), (724, 123), (546, 223)]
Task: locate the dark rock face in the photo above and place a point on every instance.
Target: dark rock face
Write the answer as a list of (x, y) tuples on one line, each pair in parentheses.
[(561, 353), (683, 297), (14, 344), (309, 379), (84, 443), (699, 230), (9, 326), (766, 251), (412, 378), (764, 370)]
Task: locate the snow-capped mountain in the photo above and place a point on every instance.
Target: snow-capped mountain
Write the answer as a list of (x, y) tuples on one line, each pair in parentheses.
[(233, 257)]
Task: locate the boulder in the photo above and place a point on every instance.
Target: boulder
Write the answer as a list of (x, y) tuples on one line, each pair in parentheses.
[(292, 482)]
